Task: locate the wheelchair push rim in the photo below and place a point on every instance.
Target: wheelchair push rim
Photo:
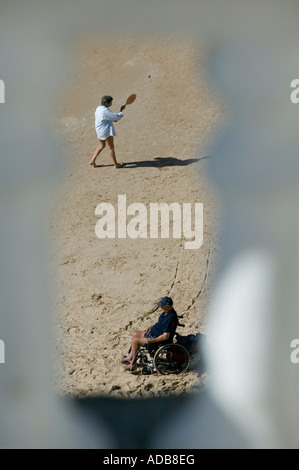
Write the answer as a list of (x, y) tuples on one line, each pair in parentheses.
[(171, 359)]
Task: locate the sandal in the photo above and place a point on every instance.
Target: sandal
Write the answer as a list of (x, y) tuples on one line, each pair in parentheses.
[(124, 360)]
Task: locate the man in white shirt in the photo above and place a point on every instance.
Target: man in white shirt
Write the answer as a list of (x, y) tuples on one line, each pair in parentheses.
[(104, 119)]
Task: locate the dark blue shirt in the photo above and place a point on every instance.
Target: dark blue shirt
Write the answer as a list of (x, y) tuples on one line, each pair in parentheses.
[(167, 323)]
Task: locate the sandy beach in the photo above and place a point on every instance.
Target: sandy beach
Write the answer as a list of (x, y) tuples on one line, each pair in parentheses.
[(107, 288)]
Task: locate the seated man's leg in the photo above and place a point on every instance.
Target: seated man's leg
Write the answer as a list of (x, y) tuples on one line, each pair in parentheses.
[(138, 340)]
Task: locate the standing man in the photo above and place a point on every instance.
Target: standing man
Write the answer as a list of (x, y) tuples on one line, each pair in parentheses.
[(104, 119)]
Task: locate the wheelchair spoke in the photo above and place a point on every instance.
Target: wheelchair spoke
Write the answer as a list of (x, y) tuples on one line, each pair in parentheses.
[(171, 359)]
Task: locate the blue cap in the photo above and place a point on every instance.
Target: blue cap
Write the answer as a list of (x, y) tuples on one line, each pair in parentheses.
[(165, 301)]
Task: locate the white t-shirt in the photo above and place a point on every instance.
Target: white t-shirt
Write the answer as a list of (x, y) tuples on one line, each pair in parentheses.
[(103, 122)]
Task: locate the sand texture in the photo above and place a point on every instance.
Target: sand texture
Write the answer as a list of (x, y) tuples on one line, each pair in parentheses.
[(106, 289)]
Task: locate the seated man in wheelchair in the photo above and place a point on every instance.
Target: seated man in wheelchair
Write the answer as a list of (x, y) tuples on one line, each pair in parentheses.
[(162, 331)]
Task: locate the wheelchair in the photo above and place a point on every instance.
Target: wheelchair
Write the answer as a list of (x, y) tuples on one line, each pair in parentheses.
[(171, 358), (162, 358)]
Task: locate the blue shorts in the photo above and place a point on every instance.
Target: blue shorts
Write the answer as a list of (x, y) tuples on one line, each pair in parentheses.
[(148, 335)]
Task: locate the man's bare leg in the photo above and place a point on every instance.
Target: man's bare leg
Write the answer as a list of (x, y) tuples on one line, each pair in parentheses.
[(97, 152), (138, 340), (110, 143)]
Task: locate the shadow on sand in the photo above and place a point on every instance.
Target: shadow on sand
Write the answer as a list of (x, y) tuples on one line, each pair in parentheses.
[(158, 162)]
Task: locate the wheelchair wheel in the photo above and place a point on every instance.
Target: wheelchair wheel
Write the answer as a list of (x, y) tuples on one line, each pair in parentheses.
[(171, 359)]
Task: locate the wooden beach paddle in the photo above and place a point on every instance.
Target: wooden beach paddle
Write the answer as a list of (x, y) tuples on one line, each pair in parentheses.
[(130, 99)]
